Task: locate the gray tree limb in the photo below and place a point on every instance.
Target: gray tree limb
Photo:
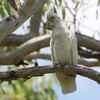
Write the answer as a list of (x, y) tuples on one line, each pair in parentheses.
[(29, 46), (35, 22), (36, 55), (84, 41), (40, 71), (89, 63), (88, 42), (10, 24), (88, 54)]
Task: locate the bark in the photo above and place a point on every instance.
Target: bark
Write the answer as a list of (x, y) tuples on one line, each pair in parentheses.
[(88, 42), (10, 24), (88, 54), (29, 46), (83, 41), (36, 55), (36, 71), (35, 23), (17, 55)]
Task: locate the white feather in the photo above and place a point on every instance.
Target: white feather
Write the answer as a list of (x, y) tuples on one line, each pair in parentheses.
[(64, 50)]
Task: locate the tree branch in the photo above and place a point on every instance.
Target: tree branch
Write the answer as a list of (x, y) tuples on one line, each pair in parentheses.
[(40, 71), (88, 54), (89, 63), (15, 40), (35, 22), (10, 24), (36, 55), (83, 41), (88, 42), (29, 46)]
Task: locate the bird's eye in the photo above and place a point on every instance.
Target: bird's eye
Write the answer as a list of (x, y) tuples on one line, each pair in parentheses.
[(52, 17)]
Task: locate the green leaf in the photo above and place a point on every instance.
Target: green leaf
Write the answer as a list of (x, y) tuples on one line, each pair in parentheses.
[(2, 14), (77, 5), (10, 82), (60, 2), (14, 86), (98, 2), (7, 7), (55, 11), (63, 13), (49, 83)]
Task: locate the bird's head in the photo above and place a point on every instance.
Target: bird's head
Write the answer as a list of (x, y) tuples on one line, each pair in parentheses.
[(52, 20)]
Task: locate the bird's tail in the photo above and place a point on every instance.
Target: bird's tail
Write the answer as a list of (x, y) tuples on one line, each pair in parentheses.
[(67, 82)]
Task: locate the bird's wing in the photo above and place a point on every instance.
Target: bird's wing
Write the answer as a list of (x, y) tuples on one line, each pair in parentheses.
[(74, 51), (52, 51)]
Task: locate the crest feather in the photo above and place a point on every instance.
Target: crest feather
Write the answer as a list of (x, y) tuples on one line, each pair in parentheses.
[(51, 10)]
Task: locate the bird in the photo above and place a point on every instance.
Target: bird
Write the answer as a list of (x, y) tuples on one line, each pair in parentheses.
[(63, 45)]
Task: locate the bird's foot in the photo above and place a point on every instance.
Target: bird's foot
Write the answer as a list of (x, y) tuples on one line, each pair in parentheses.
[(56, 64), (63, 64), (60, 65)]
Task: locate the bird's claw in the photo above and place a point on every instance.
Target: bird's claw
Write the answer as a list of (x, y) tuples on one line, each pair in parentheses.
[(62, 64), (59, 64), (56, 64)]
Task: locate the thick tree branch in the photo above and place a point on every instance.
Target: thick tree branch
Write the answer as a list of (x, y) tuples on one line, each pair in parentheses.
[(83, 41), (15, 40), (88, 42), (39, 71), (10, 24), (35, 23), (17, 55), (33, 44), (36, 55), (88, 54), (89, 63)]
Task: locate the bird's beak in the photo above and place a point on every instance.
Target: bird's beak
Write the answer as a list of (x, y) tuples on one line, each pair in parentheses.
[(48, 26)]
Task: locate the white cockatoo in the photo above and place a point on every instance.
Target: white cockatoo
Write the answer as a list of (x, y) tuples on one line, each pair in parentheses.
[(63, 46)]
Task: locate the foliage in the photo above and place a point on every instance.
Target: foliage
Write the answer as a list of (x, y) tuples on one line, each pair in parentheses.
[(32, 89), (5, 8)]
